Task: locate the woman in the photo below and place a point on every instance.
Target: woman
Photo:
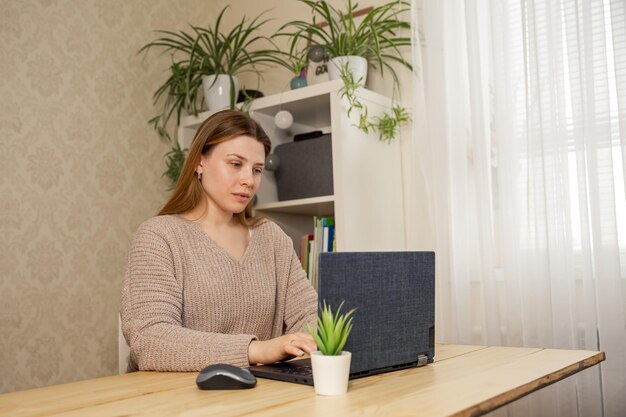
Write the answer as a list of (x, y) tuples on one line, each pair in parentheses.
[(206, 282)]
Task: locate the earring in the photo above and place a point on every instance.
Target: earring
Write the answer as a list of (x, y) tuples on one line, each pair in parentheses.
[(199, 176)]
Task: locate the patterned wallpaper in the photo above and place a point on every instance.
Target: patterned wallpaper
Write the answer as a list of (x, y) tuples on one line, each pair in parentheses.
[(79, 170)]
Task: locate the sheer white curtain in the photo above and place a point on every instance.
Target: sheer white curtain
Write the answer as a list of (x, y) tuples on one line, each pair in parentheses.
[(520, 135)]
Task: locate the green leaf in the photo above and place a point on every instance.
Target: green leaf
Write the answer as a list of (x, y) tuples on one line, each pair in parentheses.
[(174, 162), (332, 330)]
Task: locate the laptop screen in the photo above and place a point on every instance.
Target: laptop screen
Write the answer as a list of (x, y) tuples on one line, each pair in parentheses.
[(394, 293)]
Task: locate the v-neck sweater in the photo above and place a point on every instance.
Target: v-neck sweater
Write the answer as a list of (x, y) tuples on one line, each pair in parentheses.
[(187, 303)]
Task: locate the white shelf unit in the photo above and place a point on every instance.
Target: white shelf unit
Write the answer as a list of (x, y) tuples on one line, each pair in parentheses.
[(367, 175)]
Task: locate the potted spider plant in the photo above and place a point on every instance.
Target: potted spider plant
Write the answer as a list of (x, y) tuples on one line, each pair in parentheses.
[(207, 60), (221, 55), (376, 41), (331, 365), (377, 38)]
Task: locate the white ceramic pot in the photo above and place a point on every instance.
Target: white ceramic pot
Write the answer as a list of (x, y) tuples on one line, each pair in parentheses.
[(357, 65), (330, 373), (216, 90)]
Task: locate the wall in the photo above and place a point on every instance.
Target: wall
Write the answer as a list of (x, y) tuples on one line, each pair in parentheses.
[(80, 169)]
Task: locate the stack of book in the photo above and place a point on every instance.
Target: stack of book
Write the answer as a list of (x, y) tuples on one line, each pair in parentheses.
[(311, 245)]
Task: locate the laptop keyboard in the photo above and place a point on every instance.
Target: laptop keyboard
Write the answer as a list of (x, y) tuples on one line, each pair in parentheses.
[(299, 370)]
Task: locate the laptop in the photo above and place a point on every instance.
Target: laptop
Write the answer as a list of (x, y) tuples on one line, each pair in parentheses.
[(394, 324)]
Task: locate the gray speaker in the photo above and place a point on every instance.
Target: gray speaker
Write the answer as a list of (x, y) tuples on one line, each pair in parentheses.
[(306, 168)]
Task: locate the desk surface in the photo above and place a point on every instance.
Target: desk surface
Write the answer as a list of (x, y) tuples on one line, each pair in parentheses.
[(463, 381)]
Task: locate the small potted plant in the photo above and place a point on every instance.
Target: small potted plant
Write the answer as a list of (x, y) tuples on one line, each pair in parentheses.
[(221, 55), (331, 365)]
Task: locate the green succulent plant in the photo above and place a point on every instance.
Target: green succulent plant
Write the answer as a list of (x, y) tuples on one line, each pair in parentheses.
[(332, 329)]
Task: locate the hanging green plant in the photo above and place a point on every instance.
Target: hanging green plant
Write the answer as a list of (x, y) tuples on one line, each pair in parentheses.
[(387, 126)]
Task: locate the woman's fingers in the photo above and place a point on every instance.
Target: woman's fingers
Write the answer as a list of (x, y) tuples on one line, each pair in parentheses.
[(280, 348), (303, 342), (293, 349)]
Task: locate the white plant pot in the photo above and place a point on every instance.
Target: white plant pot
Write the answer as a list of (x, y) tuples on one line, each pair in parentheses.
[(330, 373), (216, 90), (357, 65)]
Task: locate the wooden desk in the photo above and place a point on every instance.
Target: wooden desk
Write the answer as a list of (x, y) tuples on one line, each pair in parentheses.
[(463, 381)]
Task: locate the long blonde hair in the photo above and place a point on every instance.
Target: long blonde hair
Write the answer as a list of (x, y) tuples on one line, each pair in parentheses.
[(220, 127)]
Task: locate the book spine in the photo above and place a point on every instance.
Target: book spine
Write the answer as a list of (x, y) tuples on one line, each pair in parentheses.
[(315, 247), (306, 255), (323, 241)]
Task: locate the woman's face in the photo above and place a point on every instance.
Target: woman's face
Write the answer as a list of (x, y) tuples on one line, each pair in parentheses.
[(231, 173)]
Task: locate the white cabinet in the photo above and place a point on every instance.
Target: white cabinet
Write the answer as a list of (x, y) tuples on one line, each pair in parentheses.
[(367, 175)]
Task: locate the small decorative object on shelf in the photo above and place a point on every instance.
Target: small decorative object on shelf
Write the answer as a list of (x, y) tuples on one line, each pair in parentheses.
[(318, 64), (299, 81), (272, 162), (317, 53), (331, 365), (283, 119)]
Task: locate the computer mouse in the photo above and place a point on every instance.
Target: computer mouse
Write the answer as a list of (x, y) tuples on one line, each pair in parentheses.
[(224, 376)]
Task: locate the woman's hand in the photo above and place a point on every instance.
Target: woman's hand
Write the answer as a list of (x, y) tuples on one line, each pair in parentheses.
[(280, 348)]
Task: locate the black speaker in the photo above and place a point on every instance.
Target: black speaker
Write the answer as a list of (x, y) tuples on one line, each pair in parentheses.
[(306, 168)]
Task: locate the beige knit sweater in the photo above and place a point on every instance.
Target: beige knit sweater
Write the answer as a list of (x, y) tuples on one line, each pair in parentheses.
[(186, 303)]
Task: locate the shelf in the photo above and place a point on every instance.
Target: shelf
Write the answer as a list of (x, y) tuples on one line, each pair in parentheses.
[(367, 202), (314, 206), (301, 100)]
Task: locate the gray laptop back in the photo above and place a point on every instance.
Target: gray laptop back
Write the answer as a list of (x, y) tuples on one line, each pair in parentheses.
[(394, 293)]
